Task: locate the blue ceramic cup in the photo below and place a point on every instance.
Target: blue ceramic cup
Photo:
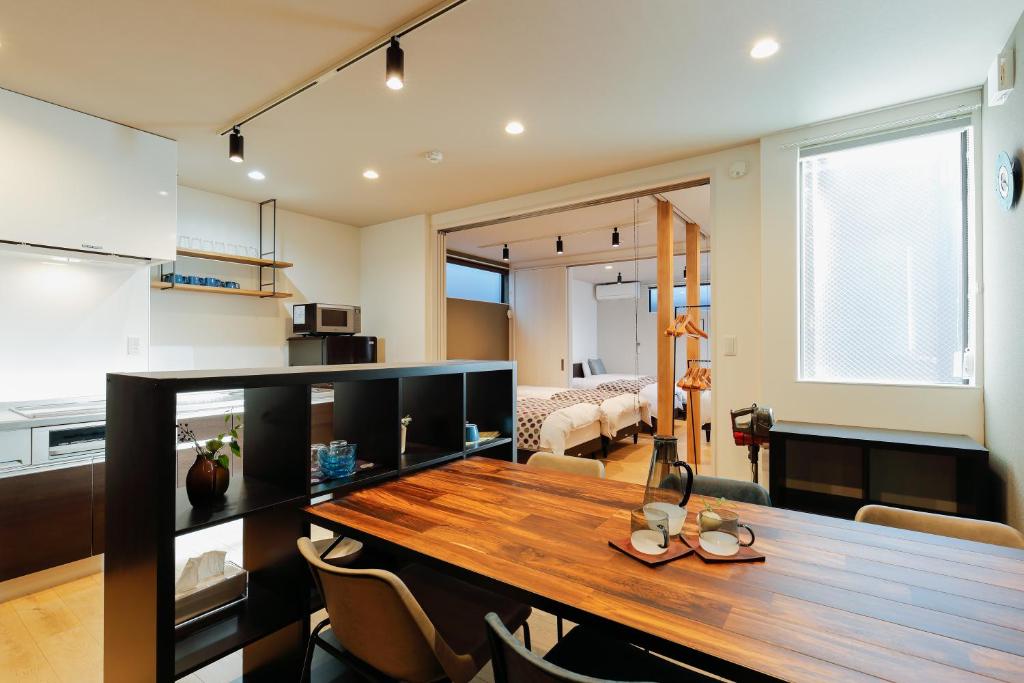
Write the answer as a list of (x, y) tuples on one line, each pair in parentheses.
[(472, 433), (195, 280)]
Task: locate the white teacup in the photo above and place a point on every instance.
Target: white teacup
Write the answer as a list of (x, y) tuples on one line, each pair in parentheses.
[(719, 543), (676, 516), (648, 542)]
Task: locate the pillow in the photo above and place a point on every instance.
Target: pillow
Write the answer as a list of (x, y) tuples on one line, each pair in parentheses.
[(584, 369), (597, 366)]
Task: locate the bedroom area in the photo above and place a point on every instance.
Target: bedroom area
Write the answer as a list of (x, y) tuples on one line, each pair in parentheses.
[(571, 295)]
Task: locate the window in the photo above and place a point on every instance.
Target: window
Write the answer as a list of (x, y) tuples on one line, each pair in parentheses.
[(477, 282), (885, 258), (678, 296)]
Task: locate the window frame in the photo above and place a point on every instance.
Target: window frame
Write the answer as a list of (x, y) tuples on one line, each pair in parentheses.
[(465, 262), (971, 219)]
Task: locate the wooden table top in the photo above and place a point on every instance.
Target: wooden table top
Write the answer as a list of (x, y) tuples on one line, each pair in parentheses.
[(834, 601)]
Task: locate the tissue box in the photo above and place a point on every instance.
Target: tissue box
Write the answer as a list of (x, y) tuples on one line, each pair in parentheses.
[(212, 593)]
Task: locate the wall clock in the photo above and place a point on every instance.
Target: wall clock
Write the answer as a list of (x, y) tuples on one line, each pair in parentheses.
[(1007, 180)]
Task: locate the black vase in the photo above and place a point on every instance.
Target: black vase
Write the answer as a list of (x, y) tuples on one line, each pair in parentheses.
[(206, 482)]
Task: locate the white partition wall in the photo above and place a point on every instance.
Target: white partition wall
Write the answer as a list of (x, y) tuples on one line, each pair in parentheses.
[(540, 324)]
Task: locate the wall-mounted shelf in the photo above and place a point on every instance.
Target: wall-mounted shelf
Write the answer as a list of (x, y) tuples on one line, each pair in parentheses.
[(264, 294), (234, 258)]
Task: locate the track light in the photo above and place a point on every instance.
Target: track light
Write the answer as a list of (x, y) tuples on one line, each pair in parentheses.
[(558, 246), (504, 253), (236, 146), (619, 278), (395, 75), (615, 237)]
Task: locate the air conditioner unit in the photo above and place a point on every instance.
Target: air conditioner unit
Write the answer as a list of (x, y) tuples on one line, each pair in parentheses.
[(617, 290)]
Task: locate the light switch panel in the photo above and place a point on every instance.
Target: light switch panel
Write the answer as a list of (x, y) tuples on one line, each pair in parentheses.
[(134, 345), (729, 345)]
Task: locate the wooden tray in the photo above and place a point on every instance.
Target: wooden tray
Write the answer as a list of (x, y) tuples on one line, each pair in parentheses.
[(745, 554), (676, 549)]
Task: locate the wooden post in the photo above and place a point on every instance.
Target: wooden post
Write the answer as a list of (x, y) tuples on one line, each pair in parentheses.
[(693, 279), (666, 344)]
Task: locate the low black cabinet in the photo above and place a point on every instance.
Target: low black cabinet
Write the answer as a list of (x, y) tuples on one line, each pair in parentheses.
[(835, 470), (45, 519)]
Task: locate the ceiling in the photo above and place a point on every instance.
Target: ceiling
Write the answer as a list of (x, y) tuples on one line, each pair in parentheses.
[(643, 270), (586, 233), (602, 85)]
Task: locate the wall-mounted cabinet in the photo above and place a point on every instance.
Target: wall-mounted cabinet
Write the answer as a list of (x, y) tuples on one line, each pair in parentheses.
[(74, 181)]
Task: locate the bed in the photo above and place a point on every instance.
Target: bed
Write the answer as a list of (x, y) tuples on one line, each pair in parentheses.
[(644, 386), (619, 415)]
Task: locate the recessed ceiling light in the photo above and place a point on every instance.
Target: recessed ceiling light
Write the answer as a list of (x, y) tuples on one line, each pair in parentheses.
[(763, 48), (257, 175), (162, 193), (607, 267), (514, 127), (370, 174)]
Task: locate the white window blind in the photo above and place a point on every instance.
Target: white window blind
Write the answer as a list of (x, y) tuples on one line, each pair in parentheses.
[(884, 258)]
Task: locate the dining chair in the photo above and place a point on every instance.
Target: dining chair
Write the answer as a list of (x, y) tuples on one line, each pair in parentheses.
[(567, 463), (979, 530), (415, 625), (735, 490), (582, 656)]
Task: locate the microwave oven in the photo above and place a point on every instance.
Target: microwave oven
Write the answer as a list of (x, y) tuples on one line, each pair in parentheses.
[(326, 319)]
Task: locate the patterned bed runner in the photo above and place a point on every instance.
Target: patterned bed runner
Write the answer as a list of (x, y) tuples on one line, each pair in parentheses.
[(627, 386), (593, 396), (530, 416)]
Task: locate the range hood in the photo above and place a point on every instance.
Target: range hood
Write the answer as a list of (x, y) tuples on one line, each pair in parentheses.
[(83, 185)]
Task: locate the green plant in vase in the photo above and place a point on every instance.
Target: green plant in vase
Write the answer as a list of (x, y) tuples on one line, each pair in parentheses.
[(208, 477)]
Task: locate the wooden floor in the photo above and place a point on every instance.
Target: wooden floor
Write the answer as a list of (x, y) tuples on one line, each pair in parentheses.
[(57, 634)]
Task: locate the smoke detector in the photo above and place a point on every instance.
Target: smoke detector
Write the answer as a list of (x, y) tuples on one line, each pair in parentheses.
[(434, 156)]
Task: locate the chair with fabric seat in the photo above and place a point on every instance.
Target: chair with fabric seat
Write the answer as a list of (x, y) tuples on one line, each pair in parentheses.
[(735, 490), (567, 463), (582, 656), (978, 530), (417, 625)]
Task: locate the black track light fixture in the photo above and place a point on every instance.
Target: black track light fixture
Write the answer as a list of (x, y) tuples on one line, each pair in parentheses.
[(619, 278), (559, 248), (394, 77), (504, 253), (236, 146), (615, 237)]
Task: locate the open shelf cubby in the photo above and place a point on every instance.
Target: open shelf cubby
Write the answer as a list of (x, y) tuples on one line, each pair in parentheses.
[(269, 489)]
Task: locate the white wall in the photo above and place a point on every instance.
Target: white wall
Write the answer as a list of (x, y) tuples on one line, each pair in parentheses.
[(192, 330), (625, 350), (955, 410), (1003, 249), (583, 321), (396, 258), (735, 257), (65, 325)]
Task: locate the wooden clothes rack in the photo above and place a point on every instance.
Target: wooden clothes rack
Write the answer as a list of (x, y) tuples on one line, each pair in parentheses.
[(696, 379)]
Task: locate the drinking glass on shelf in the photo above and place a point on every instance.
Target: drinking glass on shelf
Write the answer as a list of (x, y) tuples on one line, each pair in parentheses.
[(235, 249), (251, 251), (207, 245), (184, 241), (219, 247), (196, 243)]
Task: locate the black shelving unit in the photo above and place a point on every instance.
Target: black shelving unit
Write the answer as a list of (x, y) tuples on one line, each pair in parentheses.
[(146, 512)]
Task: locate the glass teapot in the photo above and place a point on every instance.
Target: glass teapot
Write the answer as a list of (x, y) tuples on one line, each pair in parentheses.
[(668, 489)]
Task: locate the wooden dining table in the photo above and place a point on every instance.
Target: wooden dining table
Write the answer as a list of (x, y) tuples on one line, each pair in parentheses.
[(834, 600)]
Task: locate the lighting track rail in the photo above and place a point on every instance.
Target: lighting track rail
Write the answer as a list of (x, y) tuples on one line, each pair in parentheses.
[(391, 38)]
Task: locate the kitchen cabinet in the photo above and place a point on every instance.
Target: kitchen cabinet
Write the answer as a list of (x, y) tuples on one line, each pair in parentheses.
[(99, 504), (45, 519)]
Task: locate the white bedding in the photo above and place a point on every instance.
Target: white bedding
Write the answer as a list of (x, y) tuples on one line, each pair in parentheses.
[(565, 427), (648, 393), (616, 412)]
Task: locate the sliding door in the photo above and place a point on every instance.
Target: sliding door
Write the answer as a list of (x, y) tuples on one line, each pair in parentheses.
[(540, 326)]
